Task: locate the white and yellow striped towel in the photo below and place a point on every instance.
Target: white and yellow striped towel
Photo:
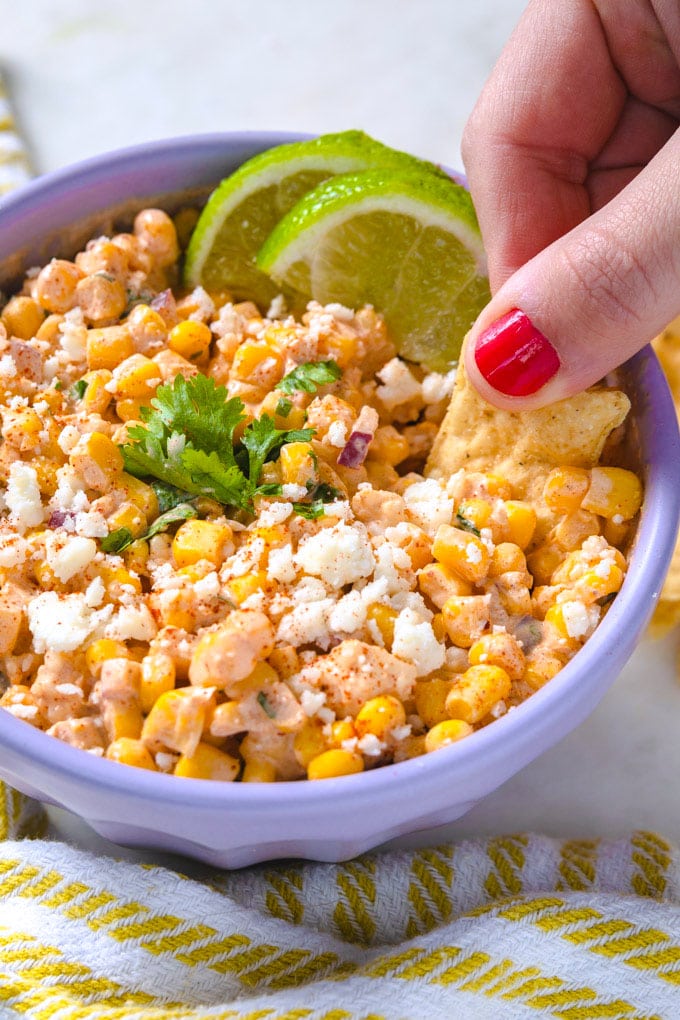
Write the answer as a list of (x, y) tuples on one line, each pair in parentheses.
[(511, 927), (15, 166)]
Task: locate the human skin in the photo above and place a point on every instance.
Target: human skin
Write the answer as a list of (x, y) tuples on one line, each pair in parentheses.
[(572, 155)]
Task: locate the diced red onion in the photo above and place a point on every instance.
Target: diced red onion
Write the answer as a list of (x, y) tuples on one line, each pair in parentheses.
[(164, 303), (58, 518), (354, 451)]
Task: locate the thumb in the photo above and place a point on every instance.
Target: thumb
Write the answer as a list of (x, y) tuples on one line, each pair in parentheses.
[(588, 301)]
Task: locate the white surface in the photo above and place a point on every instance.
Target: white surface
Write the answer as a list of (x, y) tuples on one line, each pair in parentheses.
[(87, 77)]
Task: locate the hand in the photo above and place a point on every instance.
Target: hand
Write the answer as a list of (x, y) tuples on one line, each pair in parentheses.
[(573, 159)]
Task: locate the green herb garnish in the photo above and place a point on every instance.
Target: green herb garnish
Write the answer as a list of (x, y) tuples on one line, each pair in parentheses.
[(118, 540), (467, 525), (265, 706), (77, 391), (319, 495), (58, 384), (187, 441), (284, 407), (310, 376)]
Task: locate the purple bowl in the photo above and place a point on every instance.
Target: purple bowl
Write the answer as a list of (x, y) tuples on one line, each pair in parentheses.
[(231, 824)]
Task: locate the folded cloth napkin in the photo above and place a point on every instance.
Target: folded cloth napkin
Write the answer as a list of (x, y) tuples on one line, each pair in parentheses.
[(507, 927)]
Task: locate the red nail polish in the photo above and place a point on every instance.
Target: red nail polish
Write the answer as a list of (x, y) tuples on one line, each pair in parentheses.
[(514, 357)]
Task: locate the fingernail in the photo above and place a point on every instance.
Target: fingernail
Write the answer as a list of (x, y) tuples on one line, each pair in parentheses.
[(514, 357)]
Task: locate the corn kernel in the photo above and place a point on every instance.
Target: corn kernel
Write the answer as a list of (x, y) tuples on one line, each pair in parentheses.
[(99, 651), (430, 700), (201, 540), (208, 762), (616, 532), (476, 511), (465, 617), (96, 398), (506, 557), (108, 347), (461, 552), (571, 532), (297, 464), (140, 494), (521, 522), (136, 378), (613, 493), (22, 317), (498, 486), (476, 691), (131, 751), (439, 583), (191, 339), (241, 588), (388, 446), (605, 579), (340, 347), (412, 746), (565, 487), (130, 517), (541, 668), (499, 650), (341, 730), (438, 628), (285, 661), (383, 617), (447, 732), (46, 469), (258, 364), (258, 771), (176, 720), (543, 562), (380, 716), (22, 429), (158, 676), (309, 742), (335, 762), (119, 580), (97, 460)]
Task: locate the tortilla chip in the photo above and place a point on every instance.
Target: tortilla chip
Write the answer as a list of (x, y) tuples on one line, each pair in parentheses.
[(523, 447), (667, 347)]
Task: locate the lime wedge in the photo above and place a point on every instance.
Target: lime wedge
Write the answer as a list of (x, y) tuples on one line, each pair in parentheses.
[(407, 243), (246, 207)]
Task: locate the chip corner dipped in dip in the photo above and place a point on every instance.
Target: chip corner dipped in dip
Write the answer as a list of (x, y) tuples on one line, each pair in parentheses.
[(239, 546)]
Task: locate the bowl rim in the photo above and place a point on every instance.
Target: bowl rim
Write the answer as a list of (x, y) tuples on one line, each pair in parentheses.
[(653, 545)]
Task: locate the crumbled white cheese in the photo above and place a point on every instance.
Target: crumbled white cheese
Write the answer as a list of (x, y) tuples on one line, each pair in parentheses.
[(69, 488), (277, 307), (339, 312), (23, 497), (309, 589), (95, 592), (73, 335), (292, 491), (13, 550), (437, 387), (205, 306), (429, 505), (207, 587), (393, 566), (415, 641), (61, 623), (348, 614), (337, 434), (68, 557), (275, 513), (339, 508), (247, 558), (370, 745), (306, 624), (312, 701), (281, 564), (132, 623), (399, 384), (473, 554), (91, 525), (339, 555), (8, 368), (579, 619), (22, 711)]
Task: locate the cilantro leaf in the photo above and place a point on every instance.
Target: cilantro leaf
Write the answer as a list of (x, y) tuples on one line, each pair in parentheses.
[(209, 476), (77, 391), (202, 411), (168, 496), (261, 439), (466, 524), (117, 540), (310, 376), (284, 407)]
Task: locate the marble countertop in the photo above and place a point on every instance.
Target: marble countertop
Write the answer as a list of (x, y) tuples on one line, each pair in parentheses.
[(85, 78)]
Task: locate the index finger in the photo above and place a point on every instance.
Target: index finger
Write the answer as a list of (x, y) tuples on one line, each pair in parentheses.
[(548, 108)]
